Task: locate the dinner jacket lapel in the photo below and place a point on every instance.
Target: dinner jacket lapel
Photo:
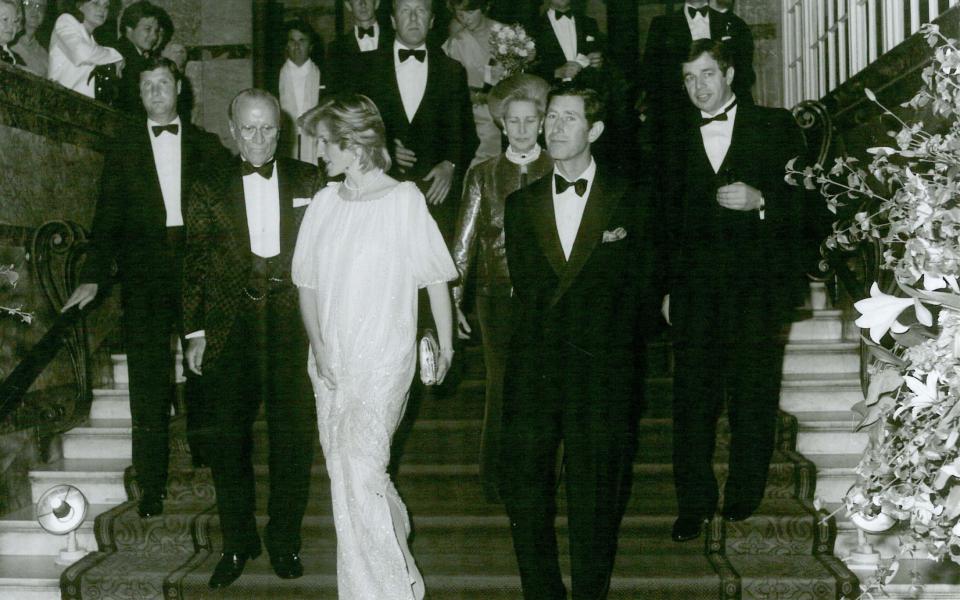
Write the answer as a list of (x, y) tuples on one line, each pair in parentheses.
[(602, 200), (545, 223)]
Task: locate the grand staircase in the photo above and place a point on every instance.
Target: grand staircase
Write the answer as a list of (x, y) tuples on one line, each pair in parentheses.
[(462, 543)]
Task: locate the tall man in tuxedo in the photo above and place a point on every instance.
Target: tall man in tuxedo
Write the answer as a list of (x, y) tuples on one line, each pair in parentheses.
[(147, 180), (568, 42), (425, 104), (247, 337), (735, 278), (582, 268)]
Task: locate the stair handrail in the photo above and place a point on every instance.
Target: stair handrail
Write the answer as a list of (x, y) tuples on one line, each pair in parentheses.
[(54, 251)]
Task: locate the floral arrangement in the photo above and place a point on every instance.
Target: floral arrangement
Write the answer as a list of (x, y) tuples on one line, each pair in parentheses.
[(909, 199), (9, 277), (512, 48)]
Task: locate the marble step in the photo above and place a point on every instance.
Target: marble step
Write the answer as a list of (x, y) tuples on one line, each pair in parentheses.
[(98, 439), (835, 474), (29, 578), (830, 433), (822, 325), (821, 357), (111, 403), (100, 480), (819, 392), (21, 535)]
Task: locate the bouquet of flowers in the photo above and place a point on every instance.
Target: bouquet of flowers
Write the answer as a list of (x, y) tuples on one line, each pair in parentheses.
[(512, 48), (9, 277), (911, 208)]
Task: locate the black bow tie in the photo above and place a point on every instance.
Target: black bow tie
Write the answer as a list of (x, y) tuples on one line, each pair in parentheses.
[(718, 117), (703, 10), (363, 32), (7, 56), (265, 170), (559, 14), (172, 128), (405, 53), (562, 185)]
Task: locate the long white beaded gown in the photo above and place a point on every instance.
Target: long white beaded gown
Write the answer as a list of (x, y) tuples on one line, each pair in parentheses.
[(366, 260)]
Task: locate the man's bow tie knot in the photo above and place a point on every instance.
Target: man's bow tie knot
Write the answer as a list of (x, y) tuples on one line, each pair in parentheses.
[(363, 32), (562, 185), (560, 14), (703, 11), (265, 170), (704, 121), (172, 128), (405, 53), (7, 56)]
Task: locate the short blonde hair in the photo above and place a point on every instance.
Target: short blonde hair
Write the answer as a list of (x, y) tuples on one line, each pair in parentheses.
[(355, 124), (519, 87)]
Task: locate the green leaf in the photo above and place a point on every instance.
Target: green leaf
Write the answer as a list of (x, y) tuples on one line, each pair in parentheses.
[(885, 381)]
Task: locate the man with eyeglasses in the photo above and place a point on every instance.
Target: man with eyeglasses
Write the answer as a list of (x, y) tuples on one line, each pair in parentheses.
[(247, 339)]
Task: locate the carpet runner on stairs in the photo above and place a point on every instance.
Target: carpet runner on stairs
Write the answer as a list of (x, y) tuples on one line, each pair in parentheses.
[(462, 543)]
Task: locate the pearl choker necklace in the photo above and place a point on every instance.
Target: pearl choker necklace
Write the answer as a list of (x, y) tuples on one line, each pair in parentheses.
[(525, 158)]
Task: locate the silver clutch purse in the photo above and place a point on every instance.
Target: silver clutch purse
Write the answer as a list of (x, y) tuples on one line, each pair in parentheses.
[(428, 351)]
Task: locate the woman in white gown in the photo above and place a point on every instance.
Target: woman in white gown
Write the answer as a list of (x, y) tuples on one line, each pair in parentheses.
[(364, 249)]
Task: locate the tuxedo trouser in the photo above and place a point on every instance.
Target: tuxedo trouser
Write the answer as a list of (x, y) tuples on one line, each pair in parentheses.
[(149, 320), (599, 439), (495, 315), (264, 361), (746, 372)]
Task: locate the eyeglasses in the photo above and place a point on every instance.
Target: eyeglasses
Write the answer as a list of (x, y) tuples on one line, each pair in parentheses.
[(268, 132)]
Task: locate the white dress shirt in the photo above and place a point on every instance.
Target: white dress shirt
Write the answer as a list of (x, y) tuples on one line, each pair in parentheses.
[(369, 42), (74, 54), (717, 134), (167, 148), (299, 92), (568, 207), (566, 32), (411, 79), (262, 200), (699, 25)]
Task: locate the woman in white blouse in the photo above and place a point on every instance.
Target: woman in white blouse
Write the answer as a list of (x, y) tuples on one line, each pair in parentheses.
[(73, 52)]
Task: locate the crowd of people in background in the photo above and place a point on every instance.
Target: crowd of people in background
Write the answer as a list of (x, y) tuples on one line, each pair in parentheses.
[(370, 180)]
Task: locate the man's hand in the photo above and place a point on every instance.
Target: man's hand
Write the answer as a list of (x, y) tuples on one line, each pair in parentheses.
[(739, 196), (442, 178), (665, 309), (82, 296), (463, 327), (596, 60), (404, 156), (195, 348), (567, 70)]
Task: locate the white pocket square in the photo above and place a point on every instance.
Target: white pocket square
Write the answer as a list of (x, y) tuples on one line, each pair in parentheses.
[(300, 202), (725, 38), (614, 235), (590, 38)]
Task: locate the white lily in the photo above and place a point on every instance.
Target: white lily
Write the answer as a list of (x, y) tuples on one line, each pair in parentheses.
[(879, 313)]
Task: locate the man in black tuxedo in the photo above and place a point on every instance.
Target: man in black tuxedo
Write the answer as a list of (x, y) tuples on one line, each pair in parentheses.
[(148, 175), (736, 276), (583, 273), (366, 34), (568, 42), (247, 338), (425, 104), (140, 27)]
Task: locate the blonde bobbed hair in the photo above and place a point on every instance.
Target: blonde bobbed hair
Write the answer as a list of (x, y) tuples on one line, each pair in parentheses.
[(354, 124)]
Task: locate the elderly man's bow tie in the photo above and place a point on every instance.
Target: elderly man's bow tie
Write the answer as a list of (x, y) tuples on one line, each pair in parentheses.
[(363, 32), (158, 129), (562, 185), (717, 117), (405, 53), (265, 170), (703, 11), (7, 56), (559, 14)]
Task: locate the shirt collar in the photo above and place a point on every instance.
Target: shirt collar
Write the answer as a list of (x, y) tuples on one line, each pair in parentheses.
[(376, 29), (397, 46), (587, 174), (686, 12), (553, 14), (301, 70), (175, 121), (725, 108)]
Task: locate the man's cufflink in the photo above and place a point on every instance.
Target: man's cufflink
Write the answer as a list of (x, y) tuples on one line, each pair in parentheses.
[(762, 208)]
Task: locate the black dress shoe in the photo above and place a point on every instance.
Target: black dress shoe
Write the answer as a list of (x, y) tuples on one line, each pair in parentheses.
[(687, 528), (287, 565), (738, 512), (229, 569), (150, 505)]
